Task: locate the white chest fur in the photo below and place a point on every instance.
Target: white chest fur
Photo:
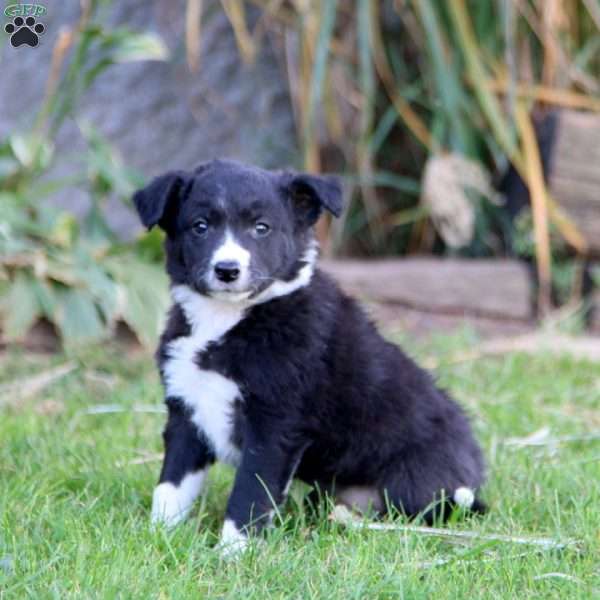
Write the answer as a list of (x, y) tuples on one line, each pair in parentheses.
[(208, 395)]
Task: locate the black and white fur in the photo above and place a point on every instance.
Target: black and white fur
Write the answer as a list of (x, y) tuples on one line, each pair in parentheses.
[(269, 367)]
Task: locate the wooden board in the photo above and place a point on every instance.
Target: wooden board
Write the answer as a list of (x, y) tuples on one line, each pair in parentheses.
[(574, 171), (495, 289), (595, 320)]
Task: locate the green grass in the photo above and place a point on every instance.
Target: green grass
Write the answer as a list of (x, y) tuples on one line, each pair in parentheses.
[(74, 507)]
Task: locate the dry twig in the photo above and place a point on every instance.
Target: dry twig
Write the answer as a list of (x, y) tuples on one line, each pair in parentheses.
[(342, 515), (26, 387)]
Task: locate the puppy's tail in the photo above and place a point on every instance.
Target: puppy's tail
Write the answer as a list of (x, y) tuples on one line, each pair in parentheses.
[(463, 497), (466, 498)]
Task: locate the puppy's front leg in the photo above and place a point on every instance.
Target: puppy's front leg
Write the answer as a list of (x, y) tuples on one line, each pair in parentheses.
[(261, 483), (187, 458)]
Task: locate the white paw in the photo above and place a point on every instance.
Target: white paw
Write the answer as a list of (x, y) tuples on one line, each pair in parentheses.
[(171, 504), (167, 508), (233, 542)]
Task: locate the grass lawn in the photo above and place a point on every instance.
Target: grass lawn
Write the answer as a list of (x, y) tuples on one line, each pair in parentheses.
[(75, 493)]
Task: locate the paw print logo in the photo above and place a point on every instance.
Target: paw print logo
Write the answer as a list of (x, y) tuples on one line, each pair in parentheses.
[(24, 31)]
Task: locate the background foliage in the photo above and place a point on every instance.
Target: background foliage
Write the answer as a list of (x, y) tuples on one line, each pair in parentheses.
[(76, 275), (422, 106), (430, 102)]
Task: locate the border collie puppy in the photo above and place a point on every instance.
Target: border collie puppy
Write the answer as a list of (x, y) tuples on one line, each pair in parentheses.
[(269, 367)]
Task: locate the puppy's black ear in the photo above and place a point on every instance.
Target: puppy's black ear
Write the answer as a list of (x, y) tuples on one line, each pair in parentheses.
[(157, 202), (310, 194)]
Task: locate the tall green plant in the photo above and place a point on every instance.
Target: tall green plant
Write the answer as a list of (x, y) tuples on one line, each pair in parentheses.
[(75, 274)]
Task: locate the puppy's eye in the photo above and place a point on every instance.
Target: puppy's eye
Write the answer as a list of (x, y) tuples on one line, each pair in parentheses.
[(261, 229), (200, 227)]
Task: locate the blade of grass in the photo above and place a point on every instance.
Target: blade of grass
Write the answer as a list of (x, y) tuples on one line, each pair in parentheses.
[(328, 11), (448, 85), (407, 185), (367, 85), (26, 387), (537, 192), (593, 9), (472, 55), (407, 114), (383, 129)]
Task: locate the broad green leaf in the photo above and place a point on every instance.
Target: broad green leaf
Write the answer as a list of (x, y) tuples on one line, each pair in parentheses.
[(45, 296), (100, 285), (77, 317), (8, 166), (31, 150), (24, 148), (145, 298), (106, 170), (21, 308), (150, 245), (65, 230), (12, 246)]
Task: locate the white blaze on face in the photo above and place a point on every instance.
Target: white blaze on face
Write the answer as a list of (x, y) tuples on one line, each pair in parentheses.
[(231, 251)]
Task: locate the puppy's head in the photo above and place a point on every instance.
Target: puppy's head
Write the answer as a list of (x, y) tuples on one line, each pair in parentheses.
[(237, 232)]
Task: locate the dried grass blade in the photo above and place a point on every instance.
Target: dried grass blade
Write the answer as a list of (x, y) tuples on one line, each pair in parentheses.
[(537, 192), (236, 13), (193, 30), (108, 409), (593, 9), (547, 94), (319, 66), (26, 387), (141, 460)]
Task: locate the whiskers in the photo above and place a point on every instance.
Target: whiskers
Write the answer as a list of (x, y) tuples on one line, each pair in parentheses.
[(257, 275)]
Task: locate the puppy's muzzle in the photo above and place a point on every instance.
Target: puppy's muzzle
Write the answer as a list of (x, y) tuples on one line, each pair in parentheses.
[(227, 271)]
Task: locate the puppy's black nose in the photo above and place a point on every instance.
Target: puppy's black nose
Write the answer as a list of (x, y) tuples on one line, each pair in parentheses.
[(227, 270)]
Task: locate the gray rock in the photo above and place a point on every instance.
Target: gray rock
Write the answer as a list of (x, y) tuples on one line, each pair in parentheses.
[(159, 115)]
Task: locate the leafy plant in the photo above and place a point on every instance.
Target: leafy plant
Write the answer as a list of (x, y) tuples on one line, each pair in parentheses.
[(75, 274)]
